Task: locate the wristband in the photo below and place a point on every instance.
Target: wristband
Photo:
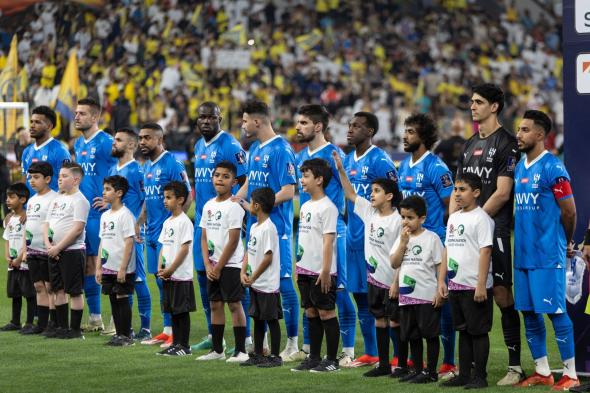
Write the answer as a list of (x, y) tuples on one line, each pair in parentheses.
[(587, 237)]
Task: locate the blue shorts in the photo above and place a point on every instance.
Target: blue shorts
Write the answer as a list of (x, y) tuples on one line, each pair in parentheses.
[(286, 255), (356, 270), (92, 240), (197, 255), (139, 262), (540, 290), (341, 281), (153, 252)]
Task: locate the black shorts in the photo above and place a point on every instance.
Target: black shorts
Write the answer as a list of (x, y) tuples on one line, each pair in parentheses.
[(228, 288), (67, 272), (178, 297), (380, 305), (311, 294), (19, 284), (475, 318), (502, 262), (265, 306), (38, 267), (419, 321), (110, 285)]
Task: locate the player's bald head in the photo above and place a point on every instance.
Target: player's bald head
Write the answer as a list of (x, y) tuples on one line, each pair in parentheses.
[(209, 108)]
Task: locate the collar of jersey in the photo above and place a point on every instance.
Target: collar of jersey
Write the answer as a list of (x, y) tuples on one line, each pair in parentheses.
[(43, 144), (413, 164), (125, 164), (160, 156), (216, 137), (364, 154), (527, 164), (92, 137), (268, 141), (312, 152)]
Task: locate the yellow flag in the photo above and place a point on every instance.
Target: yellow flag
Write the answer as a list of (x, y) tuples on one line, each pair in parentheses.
[(9, 88), (196, 15), (67, 97), (310, 40), (236, 34)]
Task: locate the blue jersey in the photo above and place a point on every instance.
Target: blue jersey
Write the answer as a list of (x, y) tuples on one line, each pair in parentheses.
[(539, 236), (429, 178), (272, 164), (94, 156), (51, 151), (135, 195), (361, 171), (157, 174), (223, 147)]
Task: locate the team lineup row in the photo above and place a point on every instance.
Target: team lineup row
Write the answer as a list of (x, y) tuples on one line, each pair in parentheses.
[(395, 275)]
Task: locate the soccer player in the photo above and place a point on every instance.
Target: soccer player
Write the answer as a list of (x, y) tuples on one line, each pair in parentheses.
[(45, 147), (160, 169), (64, 233), (39, 177), (261, 271), (93, 153), (382, 227), (176, 267), (492, 155), (271, 163), (418, 253), (116, 272), (125, 145), (545, 219), (317, 268), (427, 176), (363, 165), (19, 284), (311, 126), (467, 266), (215, 146)]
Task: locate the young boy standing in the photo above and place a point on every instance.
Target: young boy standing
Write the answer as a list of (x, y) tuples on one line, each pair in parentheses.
[(221, 245), (176, 268), (261, 273), (316, 267), (382, 227), (19, 283), (468, 268), (40, 175), (116, 270), (418, 253), (64, 233)]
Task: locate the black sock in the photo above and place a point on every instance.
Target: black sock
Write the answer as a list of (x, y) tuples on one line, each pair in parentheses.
[(383, 338), (124, 316), (61, 313), (432, 351), (181, 329), (175, 329), (481, 352), (465, 354), (217, 337), (53, 315), (316, 336), (17, 305), (185, 322), (76, 319), (275, 336), (332, 331), (258, 336), (31, 309), (417, 349), (240, 338), (115, 313), (511, 330), (402, 349), (43, 319)]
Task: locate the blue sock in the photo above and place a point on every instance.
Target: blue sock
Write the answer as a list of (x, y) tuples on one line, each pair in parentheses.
[(447, 334), (305, 330), (92, 293), (536, 337), (394, 340), (246, 307), (144, 303), (367, 323), (564, 334), (290, 306), (346, 318), (202, 279), (167, 320)]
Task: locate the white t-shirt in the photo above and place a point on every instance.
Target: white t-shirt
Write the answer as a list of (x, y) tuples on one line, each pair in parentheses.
[(417, 275), (115, 227), (316, 218), (264, 238), (37, 208), (467, 233), (15, 234), (62, 213), (177, 231), (380, 234), (218, 218)]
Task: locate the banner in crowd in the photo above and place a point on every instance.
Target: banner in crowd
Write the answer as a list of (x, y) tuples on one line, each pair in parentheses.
[(13, 88)]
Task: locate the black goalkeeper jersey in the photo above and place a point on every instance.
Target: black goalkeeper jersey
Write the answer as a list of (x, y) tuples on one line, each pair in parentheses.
[(489, 158)]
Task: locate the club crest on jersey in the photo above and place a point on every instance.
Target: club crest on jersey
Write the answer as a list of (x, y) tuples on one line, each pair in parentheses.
[(44, 157), (364, 170), (92, 152), (217, 215), (391, 175), (536, 178), (240, 158), (265, 161), (212, 159), (491, 153), (445, 180), (419, 178)]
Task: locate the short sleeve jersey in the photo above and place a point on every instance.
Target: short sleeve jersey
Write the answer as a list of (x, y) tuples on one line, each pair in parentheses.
[(115, 227), (37, 208), (51, 151), (177, 231), (135, 196), (14, 233), (63, 212), (264, 239)]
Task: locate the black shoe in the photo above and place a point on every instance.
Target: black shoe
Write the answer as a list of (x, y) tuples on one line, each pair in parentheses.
[(10, 327), (454, 382), (326, 366), (166, 351), (114, 339), (179, 350), (425, 377), (378, 372), (307, 364), (50, 329), (27, 328), (123, 341), (70, 334), (400, 372), (411, 375), (254, 360), (33, 330), (271, 361), (477, 383)]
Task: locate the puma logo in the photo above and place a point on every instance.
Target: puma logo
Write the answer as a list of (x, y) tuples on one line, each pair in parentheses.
[(549, 301), (561, 340), (511, 348), (499, 275)]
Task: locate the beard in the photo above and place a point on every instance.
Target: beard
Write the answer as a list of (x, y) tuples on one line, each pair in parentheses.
[(117, 153), (412, 147)]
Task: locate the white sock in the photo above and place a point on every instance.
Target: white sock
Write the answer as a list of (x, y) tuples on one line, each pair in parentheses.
[(248, 340), (349, 351), (542, 366), (292, 344), (305, 348), (209, 337), (265, 341), (569, 368), (168, 330), (95, 317)]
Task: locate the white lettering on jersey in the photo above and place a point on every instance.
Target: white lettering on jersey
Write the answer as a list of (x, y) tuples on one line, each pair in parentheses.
[(523, 198), (358, 187), (152, 190), (204, 172), (88, 167), (407, 193), (258, 176), (479, 171)]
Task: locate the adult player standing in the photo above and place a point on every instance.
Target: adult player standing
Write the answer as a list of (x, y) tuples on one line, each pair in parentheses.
[(545, 219), (363, 165), (492, 155), (93, 153)]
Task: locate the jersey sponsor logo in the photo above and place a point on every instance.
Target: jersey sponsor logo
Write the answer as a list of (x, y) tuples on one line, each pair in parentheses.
[(479, 171), (217, 215), (409, 285), (407, 193), (409, 178), (84, 153), (524, 180), (203, 156), (460, 229), (104, 256), (149, 175), (240, 157), (353, 172), (416, 250), (478, 152), (371, 264), (257, 158), (526, 198), (259, 176), (34, 160), (28, 238), (205, 173), (210, 247), (446, 180), (88, 167), (152, 190), (453, 269), (361, 189)]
